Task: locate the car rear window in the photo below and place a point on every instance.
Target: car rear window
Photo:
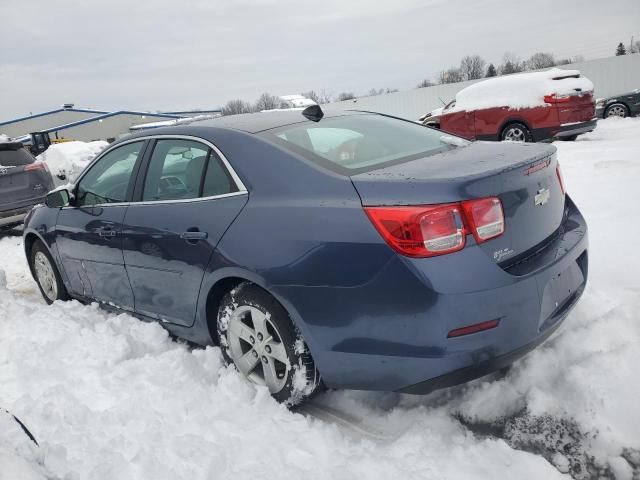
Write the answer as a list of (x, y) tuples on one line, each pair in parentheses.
[(15, 158), (353, 144)]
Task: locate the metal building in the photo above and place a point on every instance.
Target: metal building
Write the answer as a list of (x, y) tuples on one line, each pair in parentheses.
[(82, 124)]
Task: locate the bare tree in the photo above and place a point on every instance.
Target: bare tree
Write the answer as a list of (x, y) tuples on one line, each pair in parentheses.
[(452, 75), (540, 60), (373, 92), (234, 107), (511, 64), (346, 96), (472, 67), (425, 83), (320, 97), (266, 101)]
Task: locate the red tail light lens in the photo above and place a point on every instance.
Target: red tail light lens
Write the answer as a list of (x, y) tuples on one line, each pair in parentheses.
[(560, 179), (36, 166), (485, 217), (420, 231), (553, 98), (430, 230)]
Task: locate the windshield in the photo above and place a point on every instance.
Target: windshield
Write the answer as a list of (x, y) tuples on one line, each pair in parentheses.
[(355, 143)]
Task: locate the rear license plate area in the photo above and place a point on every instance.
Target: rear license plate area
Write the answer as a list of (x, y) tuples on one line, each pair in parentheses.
[(559, 293)]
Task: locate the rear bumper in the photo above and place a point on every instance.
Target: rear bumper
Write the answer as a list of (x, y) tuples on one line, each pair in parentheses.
[(13, 217), (391, 332), (570, 129), (16, 215)]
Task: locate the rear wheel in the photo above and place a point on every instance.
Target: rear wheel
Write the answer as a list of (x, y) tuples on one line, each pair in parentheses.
[(46, 274), (516, 132), (616, 110), (257, 336)]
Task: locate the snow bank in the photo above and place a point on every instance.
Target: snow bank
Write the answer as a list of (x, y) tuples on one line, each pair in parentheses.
[(108, 396), (520, 90), (4, 138), (69, 158)]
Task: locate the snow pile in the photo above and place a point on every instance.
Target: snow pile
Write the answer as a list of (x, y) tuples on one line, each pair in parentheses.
[(520, 90), (68, 159), (4, 138), (108, 396)]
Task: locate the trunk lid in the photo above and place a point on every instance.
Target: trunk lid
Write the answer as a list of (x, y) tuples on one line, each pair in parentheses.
[(523, 176)]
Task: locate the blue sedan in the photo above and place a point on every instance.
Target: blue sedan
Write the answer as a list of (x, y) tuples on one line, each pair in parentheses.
[(344, 249)]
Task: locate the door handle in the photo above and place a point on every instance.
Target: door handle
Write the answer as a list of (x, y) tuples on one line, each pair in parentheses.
[(107, 232), (194, 235)]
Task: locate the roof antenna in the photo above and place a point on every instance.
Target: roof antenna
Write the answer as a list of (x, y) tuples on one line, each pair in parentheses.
[(313, 113)]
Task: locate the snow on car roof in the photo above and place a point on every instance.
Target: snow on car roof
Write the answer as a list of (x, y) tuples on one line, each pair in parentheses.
[(520, 90)]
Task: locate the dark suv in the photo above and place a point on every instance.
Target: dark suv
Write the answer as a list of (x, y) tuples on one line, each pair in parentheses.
[(24, 182)]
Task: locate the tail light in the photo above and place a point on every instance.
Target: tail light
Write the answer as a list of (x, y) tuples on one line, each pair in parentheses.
[(430, 230), (36, 166), (553, 98), (485, 217), (560, 179)]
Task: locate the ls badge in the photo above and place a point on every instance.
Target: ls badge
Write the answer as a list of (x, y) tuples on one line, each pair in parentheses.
[(542, 197)]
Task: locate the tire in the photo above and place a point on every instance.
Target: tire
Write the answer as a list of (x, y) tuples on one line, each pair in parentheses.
[(46, 274), (616, 110), (257, 336), (516, 132)]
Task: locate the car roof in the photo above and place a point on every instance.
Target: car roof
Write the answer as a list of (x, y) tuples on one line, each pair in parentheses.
[(258, 122)]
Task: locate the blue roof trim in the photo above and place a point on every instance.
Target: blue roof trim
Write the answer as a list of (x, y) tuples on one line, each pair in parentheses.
[(101, 117), (194, 112), (51, 112)]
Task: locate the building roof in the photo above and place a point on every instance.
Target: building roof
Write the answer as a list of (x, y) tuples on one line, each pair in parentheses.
[(52, 112), (107, 115)]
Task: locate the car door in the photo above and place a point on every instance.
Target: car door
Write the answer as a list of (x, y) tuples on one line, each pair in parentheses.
[(186, 197), (88, 231)]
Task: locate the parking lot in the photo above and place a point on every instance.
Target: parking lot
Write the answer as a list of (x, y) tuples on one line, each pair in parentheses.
[(143, 402)]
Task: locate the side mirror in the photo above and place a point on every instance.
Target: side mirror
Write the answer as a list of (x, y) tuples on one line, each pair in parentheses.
[(57, 198)]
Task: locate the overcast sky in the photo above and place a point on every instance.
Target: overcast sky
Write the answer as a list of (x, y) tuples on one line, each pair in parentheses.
[(171, 54)]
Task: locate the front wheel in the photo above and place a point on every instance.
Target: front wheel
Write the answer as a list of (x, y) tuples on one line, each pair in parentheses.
[(516, 132), (257, 336), (46, 274)]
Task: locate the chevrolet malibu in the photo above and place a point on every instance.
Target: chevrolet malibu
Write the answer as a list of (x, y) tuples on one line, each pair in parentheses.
[(345, 249)]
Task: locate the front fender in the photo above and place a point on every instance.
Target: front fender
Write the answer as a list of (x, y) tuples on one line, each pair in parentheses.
[(40, 223)]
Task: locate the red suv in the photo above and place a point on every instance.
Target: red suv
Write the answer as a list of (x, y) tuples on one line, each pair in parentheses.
[(527, 107)]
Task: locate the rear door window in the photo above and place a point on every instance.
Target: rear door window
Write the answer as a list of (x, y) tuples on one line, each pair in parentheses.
[(182, 169)]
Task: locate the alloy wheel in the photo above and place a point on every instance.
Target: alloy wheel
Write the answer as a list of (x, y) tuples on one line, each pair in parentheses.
[(256, 348), (46, 276), (616, 111), (514, 134)]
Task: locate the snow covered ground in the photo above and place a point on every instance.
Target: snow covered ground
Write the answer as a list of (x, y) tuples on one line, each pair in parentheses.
[(110, 397)]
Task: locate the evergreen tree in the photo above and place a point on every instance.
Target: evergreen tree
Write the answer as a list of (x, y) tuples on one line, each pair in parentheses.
[(621, 50), (491, 71)]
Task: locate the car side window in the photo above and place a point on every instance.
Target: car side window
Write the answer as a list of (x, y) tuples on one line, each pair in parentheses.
[(108, 179), (184, 169)]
